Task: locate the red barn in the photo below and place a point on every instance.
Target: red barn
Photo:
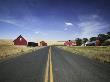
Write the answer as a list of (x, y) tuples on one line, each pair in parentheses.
[(20, 41), (70, 43)]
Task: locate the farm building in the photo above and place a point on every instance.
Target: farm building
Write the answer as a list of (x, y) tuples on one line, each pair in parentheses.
[(70, 43), (98, 43), (20, 41), (43, 43), (32, 44), (93, 43)]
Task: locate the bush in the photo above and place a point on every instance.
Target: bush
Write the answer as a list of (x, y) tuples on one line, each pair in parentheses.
[(106, 43)]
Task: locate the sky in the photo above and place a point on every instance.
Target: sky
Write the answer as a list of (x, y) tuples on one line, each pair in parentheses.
[(53, 19)]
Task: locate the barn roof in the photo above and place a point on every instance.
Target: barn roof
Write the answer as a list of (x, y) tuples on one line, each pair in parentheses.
[(19, 37)]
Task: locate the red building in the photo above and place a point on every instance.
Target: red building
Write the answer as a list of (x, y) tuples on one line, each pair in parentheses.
[(98, 43), (70, 43), (43, 43), (20, 41)]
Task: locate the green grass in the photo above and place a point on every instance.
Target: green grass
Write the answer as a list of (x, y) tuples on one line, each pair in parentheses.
[(101, 53)]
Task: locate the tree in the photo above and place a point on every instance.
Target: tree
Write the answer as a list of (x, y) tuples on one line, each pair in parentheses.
[(106, 43), (108, 34), (102, 38), (78, 41), (84, 40), (93, 39)]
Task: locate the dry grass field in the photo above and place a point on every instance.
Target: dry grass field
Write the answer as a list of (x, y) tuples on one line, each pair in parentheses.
[(101, 53), (7, 49)]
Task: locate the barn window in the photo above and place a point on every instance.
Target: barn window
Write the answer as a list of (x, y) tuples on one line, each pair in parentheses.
[(20, 39)]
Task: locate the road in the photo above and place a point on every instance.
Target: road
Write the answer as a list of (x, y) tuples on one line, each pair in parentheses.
[(68, 67), (25, 68), (52, 64)]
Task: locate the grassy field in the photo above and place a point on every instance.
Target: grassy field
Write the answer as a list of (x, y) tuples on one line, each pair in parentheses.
[(7, 49), (101, 54)]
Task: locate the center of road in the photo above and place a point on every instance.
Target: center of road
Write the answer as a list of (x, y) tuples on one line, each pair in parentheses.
[(49, 71)]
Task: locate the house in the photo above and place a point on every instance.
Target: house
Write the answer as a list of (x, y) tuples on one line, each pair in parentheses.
[(93, 43), (20, 41), (32, 44), (70, 43), (43, 43)]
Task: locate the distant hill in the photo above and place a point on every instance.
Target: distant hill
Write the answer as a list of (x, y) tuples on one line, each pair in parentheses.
[(6, 42), (53, 42)]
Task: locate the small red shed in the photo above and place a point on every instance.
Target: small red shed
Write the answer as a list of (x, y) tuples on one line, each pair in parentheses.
[(98, 43), (20, 41), (43, 43)]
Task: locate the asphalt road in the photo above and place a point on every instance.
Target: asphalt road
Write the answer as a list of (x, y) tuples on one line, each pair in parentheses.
[(68, 67), (25, 68), (61, 66)]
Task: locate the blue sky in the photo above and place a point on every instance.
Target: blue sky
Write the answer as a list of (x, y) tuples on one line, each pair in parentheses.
[(53, 19)]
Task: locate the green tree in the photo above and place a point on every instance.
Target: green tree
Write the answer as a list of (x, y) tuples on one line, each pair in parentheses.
[(106, 43), (78, 41), (102, 37), (84, 40), (108, 34), (93, 39)]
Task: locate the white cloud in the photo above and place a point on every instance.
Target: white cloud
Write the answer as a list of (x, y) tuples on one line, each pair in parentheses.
[(41, 33), (90, 18), (94, 16), (76, 36), (17, 23), (37, 32), (92, 25), (8, 21), (68, 24), (13, 22), (65, 29)]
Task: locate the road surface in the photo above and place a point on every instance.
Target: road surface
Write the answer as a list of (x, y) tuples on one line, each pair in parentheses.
[(68, 67), (52, 64), (25, 68)]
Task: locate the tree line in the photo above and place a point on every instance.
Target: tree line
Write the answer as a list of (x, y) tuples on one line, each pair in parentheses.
[(102, 40)]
